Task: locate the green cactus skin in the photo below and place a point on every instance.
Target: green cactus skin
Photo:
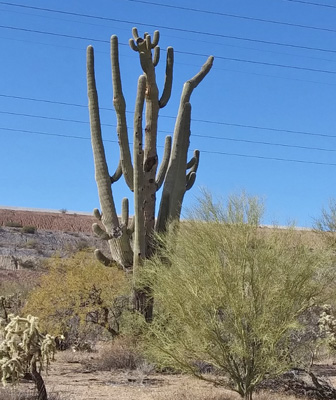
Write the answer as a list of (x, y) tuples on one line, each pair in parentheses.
[(139, 245), (119, 239), (131, 241), (120, 109), (176, 182)]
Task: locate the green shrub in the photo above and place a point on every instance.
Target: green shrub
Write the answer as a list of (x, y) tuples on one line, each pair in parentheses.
[(29, 229), (230, 294), (79, 297)]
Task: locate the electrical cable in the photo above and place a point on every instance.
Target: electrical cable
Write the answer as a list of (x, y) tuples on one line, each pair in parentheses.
[(211, 34)]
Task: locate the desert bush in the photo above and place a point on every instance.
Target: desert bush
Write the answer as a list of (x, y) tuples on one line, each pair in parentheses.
[(231, 294), (79, 298), (82, 245), (327, 220), (121, 353), (29, 229), (15, 287)]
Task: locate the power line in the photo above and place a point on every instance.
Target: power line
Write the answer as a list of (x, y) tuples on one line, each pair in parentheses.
[(175, 7), (195, 135), (268, 158), (265, 143), (261, 63), (173, 29), (49, 118), (50, 134), (14, 28), (203, 151), (257, 127), (182, 52), (194, 40), (189, 64), (269, 21), (311, 3)]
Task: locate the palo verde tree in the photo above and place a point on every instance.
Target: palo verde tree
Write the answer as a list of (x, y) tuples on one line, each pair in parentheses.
[(131, 242), (233, 294)]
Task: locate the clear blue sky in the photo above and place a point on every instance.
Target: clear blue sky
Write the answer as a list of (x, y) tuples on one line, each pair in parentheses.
[(279, 78)]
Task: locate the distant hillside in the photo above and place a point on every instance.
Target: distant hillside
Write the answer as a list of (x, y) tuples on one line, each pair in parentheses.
[(47, 220), (60, 233)]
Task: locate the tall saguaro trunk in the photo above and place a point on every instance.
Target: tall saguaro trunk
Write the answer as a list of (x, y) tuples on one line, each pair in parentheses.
[(131, 242)]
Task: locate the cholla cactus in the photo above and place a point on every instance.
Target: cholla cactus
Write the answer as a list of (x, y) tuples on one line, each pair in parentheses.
[(24, 349), (327, 324)]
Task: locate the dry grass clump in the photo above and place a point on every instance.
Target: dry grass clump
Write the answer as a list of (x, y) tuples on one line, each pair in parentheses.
[(74, 357), (121, 353)]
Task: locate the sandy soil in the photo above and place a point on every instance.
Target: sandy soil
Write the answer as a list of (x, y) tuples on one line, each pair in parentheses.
[(74, 382), (69, 379)]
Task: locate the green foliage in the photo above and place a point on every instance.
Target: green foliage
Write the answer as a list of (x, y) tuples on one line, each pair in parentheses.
[(29, 229), (229, 293), (326, 224), (78, 292), (327, 221)]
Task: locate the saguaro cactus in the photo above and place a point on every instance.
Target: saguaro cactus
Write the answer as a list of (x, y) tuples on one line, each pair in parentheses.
[(131, 241)]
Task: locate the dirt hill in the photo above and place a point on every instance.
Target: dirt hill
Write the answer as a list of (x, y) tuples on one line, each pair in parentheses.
[(27, 236), (47, 220)]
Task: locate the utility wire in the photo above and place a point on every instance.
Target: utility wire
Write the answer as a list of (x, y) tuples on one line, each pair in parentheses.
[(268, 158), (14, 28), (203, 151), (190, 64), (311, 3), (162, 116), (176, 7), (172, 28), (260, 62), (194, 134), (182, 52), (269, 21), (193, 40)]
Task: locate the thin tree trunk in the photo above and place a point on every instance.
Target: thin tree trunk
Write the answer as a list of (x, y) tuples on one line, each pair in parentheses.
[(143, 303), (39, 382)]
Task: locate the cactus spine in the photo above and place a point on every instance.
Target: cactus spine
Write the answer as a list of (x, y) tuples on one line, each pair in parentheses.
[(130, 243)]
